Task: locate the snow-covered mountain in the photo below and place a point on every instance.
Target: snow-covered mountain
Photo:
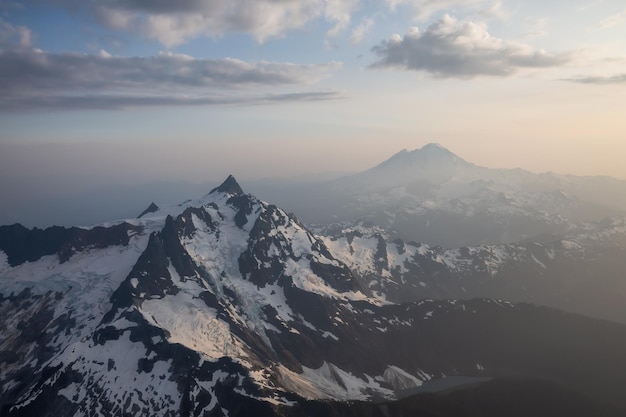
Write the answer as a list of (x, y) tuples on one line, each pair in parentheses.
[(432, 163), (581, 271), (433, 196), (228, 305)]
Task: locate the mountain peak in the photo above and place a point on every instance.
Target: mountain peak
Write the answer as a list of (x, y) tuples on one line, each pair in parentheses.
[(151, 209), (432, 151), (230, 186), (430, 154), (431, 163), (433, 147)]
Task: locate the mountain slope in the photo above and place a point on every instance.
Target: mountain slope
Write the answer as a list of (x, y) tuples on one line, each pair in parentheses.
[(582, 271), (499, 397)]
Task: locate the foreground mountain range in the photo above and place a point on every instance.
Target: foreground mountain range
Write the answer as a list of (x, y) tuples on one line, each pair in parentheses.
[(228, 305)]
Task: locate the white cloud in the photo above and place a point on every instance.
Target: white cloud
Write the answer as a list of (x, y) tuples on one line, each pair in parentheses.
[(175, 22), (537, 28), (615, 20), (495, 10), (340, 12), (38, 79), (461, 49), (12, 36), (361, 30), (423, 9)]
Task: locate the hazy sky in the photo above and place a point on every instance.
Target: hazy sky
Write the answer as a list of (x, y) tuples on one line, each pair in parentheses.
[(100, 92)]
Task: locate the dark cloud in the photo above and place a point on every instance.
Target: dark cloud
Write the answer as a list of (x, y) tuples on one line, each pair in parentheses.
[(454, 49), (38, 80), (120, 101), (164, 6)]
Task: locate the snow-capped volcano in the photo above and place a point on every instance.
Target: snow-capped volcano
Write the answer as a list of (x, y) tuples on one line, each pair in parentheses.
[(228, 305), (433, 196), (432, 164)]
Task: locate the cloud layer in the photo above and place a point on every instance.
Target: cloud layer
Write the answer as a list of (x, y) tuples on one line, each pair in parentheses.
[(614, 20), (461, 49), (422, 9), (448, 48), (175, 22), (34, 79), (615, 79)]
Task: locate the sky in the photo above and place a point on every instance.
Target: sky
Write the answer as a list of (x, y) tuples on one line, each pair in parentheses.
[(98, 93)]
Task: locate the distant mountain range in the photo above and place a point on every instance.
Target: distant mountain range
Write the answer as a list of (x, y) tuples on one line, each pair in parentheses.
[(229, 305), (432, 196), (582, 271)]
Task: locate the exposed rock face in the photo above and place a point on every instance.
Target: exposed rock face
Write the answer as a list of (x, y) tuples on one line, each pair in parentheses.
[(229, 186), (150, 209), (28, 245)]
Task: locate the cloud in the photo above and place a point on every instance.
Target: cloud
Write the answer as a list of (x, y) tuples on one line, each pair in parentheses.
[(461, 49), (615, 79), (615, 20), (495, 10), (537, 28), (340, 12), (423, 9), (121, 101), (35, 79), (14, 37), (175, 22), (361, 30)]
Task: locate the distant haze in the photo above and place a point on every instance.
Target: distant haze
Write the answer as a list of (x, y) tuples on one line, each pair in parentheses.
[(69, 184), (118, 94)]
